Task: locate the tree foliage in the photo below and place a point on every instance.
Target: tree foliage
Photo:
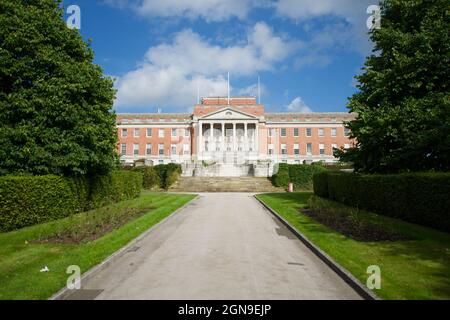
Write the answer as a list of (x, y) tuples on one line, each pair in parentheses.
[(55, 104), (403, 103)]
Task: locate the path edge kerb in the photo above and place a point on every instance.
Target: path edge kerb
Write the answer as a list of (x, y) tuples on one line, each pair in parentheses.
[(356, 285), (65, 292)]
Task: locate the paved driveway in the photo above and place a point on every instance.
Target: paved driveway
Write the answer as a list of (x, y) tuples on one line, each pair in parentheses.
[(221, 246)]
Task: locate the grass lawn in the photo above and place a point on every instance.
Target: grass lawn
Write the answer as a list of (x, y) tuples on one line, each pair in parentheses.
[(418, 268), (22, 257)]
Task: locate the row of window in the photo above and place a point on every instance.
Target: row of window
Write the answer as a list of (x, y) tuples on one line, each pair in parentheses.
[(161, 132), (149, 149), (308, 133), (309, 149), (272, 132)]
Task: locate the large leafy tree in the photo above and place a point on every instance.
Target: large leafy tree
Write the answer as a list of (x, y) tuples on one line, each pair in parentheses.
[(55, 104), (403, 103)]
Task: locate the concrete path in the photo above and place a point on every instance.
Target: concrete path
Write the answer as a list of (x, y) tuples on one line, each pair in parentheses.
[(221, 246)]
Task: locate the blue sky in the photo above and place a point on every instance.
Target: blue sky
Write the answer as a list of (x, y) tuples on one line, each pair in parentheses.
[(306, 52)]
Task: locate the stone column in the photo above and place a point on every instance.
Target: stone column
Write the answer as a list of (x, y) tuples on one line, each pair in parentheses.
[(211, 138), (257, 139), (200, 142), (245, 137), (234, 136), (223, 138)]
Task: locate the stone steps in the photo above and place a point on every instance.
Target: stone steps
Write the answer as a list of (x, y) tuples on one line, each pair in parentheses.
[(224, 184)]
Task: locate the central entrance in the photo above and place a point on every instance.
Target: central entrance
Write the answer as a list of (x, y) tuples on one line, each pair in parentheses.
[(228, 137), (228, 142)]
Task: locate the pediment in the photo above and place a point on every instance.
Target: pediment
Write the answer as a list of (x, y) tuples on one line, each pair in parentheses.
[(228, 113)]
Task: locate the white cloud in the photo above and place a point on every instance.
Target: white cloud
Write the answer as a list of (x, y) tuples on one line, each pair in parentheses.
[(354, 12), (351, 10), (171, 72), (298, 105)]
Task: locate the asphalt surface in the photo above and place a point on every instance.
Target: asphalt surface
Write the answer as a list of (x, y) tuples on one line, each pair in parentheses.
[(220, 246)]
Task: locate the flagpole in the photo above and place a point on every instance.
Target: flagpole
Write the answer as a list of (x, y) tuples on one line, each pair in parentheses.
[(228, 88)]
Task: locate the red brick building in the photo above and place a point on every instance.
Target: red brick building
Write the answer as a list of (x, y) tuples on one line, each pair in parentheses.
[(234, 134)]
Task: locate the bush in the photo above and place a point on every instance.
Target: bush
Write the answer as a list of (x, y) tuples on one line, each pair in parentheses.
[(29, 200), (117, 186), (301, 175), (168, 174), (150, 177), (421, 198)]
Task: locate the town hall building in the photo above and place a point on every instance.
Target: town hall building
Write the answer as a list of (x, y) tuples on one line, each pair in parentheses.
[(231, 137)]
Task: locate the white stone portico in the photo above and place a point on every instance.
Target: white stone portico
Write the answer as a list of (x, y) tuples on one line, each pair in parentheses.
[(228, 136)]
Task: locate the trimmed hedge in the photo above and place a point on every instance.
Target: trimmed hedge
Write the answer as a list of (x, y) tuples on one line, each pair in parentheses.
[(301, 175), (168, 174), (281, 178), (150, 177), (29, 200), (421, 198)]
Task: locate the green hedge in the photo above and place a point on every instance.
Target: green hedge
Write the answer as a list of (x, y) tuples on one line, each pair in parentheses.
[(281, 178), (150, 177), (168, 174), (301, 175), (421, 198), (29, 200)]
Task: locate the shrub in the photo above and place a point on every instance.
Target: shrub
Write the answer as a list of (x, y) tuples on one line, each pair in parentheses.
[(320, 184), (301, 175), (168, 174), (29, 200), (421, 198), (281, 178), (117, 186), (150, 178)]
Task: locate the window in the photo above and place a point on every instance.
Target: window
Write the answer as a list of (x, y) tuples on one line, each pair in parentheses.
[(173, 149), (186, 149), (186, 133), (161, 149), (295, 132), (136, 149), (271, 132), (124, 133), (283, 132), (270, 149), (148, 149), (346, 146), (283, 149), (174, 132), (137, 133), (334, 147), (161, 133), (160, 161), (333, 132), (123, 149), (321, 149), (296, 149), (321, 132), (149, 132), (346, 132), (309, 149), (308, 132)]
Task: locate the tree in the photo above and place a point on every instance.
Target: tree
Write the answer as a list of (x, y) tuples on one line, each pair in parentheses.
[(55, 104), (403, 103)]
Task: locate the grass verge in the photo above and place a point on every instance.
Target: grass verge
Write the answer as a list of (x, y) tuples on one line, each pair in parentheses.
[(410, 269), (22, 257)]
